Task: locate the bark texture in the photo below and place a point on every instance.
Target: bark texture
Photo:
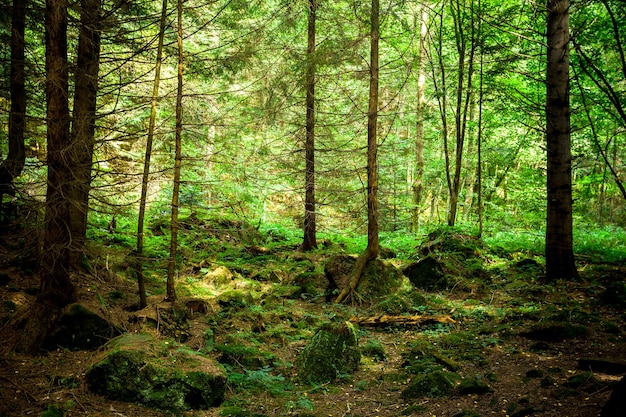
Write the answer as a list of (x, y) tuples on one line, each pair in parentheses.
[(56, 289), (310, 228), (373, 247), (559, 243), (84, 123), (12, 166)]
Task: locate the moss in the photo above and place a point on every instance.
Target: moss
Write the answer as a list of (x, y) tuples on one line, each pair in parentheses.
[(375, 350), (473, 386), (332, 352), (136, 372), (433, 384)]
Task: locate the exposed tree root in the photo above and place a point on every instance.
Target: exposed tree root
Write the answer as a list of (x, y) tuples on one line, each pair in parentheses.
[(349, 290)]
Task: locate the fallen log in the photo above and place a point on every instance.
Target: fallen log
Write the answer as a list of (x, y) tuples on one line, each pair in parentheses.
[(387, 320)]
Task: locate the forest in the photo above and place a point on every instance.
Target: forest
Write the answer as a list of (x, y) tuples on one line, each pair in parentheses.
[(313, 208)]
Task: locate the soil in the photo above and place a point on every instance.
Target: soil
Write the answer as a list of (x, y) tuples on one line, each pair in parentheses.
[(526, 379)]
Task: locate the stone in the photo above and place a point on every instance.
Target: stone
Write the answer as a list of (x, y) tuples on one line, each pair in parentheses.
[(157, 373), (379, 278), (615, 294), (332, 351), (555, 332), (432, 384), (427, 274), (605, 366), (80, 328), (616, 406)]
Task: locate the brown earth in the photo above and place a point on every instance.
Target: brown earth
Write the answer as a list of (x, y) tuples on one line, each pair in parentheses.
[(32, 384)]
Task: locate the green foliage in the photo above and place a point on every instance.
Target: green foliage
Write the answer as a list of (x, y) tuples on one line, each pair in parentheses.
[(53, 411), (259, 380)]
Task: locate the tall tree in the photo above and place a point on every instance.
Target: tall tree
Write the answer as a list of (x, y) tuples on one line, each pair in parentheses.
[(84, 122), (145, 179), (56, 289), (12, 166), (418, 182), (559, 242), (465, 71), (310, 228), (174, 226), (373, 247)]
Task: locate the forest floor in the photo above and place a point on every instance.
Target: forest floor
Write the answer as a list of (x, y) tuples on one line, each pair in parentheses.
[(524, 340)]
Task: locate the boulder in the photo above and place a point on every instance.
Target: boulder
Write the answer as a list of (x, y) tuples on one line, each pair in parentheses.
[(616, 406), (80, 328), (331, 352), (555, 332), (157, 373), (431, 384), (427, 274), (379, 278)]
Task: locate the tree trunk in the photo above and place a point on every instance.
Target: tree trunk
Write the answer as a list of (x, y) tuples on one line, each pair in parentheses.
[(310, 239), (56, 289), (418, 185), (463, 98), (171, 288), (559, 243), (371, 252), (12, 166), (84, 123), (146, 165)]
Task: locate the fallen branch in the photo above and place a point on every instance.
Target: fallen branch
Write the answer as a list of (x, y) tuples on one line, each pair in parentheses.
[(385, 320)]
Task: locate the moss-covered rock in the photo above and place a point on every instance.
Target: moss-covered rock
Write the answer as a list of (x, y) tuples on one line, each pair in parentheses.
[(555, 332), (165, 376), (332, 351), (80, 328), (427, 274), (432, 384), (380, 278)]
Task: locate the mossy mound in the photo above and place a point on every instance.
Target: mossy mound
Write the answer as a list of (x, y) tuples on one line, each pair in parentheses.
[(427, 274), (80, 328), (432, 384), (379, 278), (157, 374), (333, 351), (448, 258), (555, 332)]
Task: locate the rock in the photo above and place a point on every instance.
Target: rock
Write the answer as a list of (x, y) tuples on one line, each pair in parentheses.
[(331, 352), (605, 366), (219, 276), (386, 253), (473, 386), (80, 328), (555, 332), (616, 406), (615, 294), (157, 374), (431, 384), (379, 278), (427, 274)]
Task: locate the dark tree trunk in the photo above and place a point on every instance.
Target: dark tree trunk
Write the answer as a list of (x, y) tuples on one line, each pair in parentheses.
[(84, 123), (310, 239), (559, 246), (146, 164), (56, 289), (12, 166), (371, 252), (174, 225)]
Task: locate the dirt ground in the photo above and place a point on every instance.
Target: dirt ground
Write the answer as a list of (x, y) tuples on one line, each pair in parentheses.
[(30, 385)]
